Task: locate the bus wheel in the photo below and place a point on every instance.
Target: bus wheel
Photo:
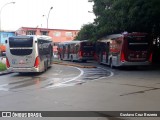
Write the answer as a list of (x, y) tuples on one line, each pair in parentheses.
[(61, 57), (45, 66), (100, 59)]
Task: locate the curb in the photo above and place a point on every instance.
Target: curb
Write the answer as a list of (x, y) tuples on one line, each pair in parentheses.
[(75, 65), (4, 72)]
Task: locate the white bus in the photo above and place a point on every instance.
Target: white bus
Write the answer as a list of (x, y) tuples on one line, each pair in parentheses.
[(28, 53)]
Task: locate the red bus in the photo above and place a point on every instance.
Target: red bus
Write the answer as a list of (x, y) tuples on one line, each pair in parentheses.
[(76, 50), (127, 49)]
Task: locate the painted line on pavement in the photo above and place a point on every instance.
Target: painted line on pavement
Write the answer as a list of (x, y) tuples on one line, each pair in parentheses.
[(62, 83), (108, 71)]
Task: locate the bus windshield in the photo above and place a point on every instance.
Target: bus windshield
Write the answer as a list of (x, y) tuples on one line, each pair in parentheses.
[(21, 46), (87, 47), (138, 43), (21, 42)]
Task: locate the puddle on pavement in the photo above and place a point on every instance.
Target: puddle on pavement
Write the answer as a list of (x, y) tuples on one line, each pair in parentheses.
[(21, 83), (53, 81), (90, 74), (3, 87), (32, 81), (26, 80), (68, 84)]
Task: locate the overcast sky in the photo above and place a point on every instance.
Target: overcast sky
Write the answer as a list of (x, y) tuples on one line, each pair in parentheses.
[(66, 14)]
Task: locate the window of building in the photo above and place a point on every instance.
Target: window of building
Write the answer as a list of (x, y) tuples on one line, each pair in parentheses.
[(44, 33), (57, 34), (30, 32), (69, 34)]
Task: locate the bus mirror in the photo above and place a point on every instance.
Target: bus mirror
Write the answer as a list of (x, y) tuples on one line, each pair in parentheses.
[(6, 41)]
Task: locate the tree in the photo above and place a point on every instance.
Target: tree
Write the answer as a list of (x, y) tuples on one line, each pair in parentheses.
[(127, 15), (116, 16), (87, 32)]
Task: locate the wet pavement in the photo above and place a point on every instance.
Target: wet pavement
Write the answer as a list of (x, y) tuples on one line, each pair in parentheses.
[(17, 81), (86, 75), (60, 78), (69, 88)]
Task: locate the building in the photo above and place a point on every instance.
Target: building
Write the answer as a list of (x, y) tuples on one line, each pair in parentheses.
[(58, 35), (4, 36)]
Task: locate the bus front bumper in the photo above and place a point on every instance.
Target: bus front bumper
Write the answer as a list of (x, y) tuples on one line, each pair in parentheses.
[(13, 69), (86, 58), (126, 63)]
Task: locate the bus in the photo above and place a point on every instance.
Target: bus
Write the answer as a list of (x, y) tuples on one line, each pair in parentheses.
[(28, 53), (76, 50), (126, 49)]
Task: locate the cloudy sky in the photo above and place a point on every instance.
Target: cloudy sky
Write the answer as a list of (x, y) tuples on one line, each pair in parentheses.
[(66, 14)]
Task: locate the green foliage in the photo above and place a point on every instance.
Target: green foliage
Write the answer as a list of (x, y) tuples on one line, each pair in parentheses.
[(115, 16), (2, 67), (87, 32)]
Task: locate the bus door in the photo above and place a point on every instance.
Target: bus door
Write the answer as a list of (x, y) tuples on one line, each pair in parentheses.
[(156, 50), (63, 51), (60, 51), (101, 46), (97, 51), (107, 51), (102, 52), (69, 52)]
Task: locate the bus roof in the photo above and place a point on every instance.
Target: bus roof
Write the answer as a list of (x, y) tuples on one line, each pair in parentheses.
[(72, 42), (113, 36), (44, 37)]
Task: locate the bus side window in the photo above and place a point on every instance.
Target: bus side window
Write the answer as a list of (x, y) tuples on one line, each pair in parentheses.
[(6, 41), (76, 48), (71, 48), (40, 44)]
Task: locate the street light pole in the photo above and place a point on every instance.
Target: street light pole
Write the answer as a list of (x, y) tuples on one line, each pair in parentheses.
[(47, 17), (0, 16)]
